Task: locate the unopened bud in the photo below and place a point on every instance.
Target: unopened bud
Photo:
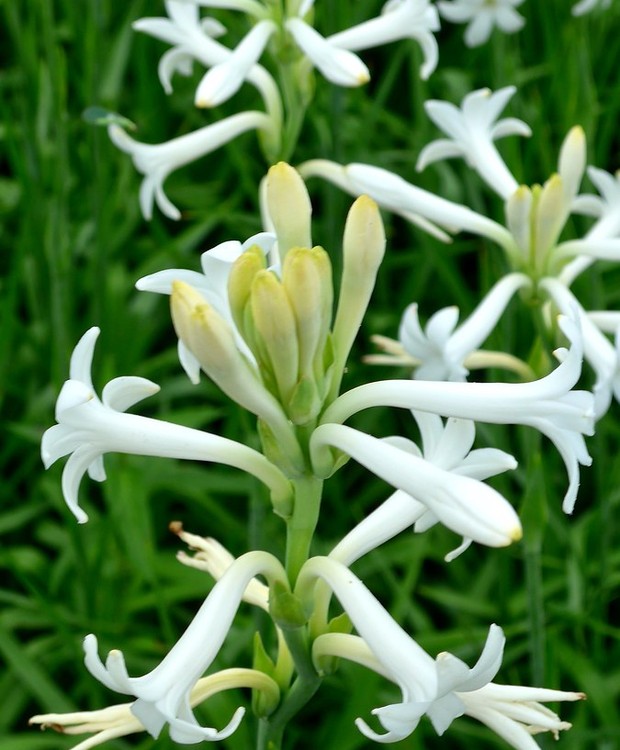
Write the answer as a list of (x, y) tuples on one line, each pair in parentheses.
[(363, 250), (275, 327), (307, 280), (211, 340), (242, 274), (289, 208)]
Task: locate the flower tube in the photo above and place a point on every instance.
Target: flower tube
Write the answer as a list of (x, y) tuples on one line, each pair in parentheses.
[(549, 405), (163, 695), (89, 427)]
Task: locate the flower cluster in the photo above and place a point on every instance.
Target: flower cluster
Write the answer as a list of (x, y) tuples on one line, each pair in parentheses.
[(258, 321)]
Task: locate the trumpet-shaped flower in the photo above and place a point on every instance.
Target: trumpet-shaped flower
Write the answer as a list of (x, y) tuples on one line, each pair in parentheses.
[(586, 6), (598, 351), (549, 405), (157, 161), (194, 38), (212, 284), (396, 194), (468, 507), (118, 720), (472, 130), (399, 19), (89, 427), (164, 694), (605, 207), (481, 16), (448, 447), (442, 348), (443, 688)]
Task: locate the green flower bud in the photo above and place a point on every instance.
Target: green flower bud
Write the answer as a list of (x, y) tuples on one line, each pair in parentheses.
[(289, 208), (275, 326)]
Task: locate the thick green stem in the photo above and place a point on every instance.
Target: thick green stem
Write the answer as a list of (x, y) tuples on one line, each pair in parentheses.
[(305, 686), (300, 527)]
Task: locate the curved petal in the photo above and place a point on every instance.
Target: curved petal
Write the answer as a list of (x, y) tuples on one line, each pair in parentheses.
[(122, 393), (339, 66), (82, 357), (72, 474)]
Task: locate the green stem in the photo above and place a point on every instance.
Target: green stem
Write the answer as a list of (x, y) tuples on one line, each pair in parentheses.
[(305, 686), (300, 527)]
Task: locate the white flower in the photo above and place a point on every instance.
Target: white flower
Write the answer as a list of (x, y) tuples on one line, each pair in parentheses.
[(118, 721), (212, 284), (449, 447), (462, 504), (598, 351), (399, 19), (193, 38), (443, 688), (396, 194), (157, 161), (225, 79), (441, 347), (163, 695), (549, 405), (89, 427), (585, 6), (472, 129), (606, 208), (481, 16)]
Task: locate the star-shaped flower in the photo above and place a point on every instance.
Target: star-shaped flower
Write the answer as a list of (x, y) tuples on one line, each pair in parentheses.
[(472, 130), (481, 16)]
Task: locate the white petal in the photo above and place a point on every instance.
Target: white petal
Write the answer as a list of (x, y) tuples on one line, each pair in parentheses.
[(82, 357), (122, 393), (337, 65)]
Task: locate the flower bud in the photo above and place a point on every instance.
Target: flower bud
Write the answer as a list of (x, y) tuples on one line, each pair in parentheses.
[(363, 250), (307, 280), (211, 340), (275, 326), (242, 274), (289, 207)]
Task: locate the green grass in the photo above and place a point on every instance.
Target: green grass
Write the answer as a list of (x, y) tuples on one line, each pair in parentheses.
[(74, 244)]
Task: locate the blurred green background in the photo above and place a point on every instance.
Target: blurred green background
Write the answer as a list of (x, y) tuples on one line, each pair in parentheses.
[(73, 245)]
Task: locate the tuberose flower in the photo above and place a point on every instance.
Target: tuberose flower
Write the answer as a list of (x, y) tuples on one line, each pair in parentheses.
[(89, 427), (463, 504), (157, 161), (212, 284), (549, 405), (399, 19), (447, 446), (481, 16), (472, 130), (118, 721), (442, 348), (163, 695), (586, 6), (443, 688)]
